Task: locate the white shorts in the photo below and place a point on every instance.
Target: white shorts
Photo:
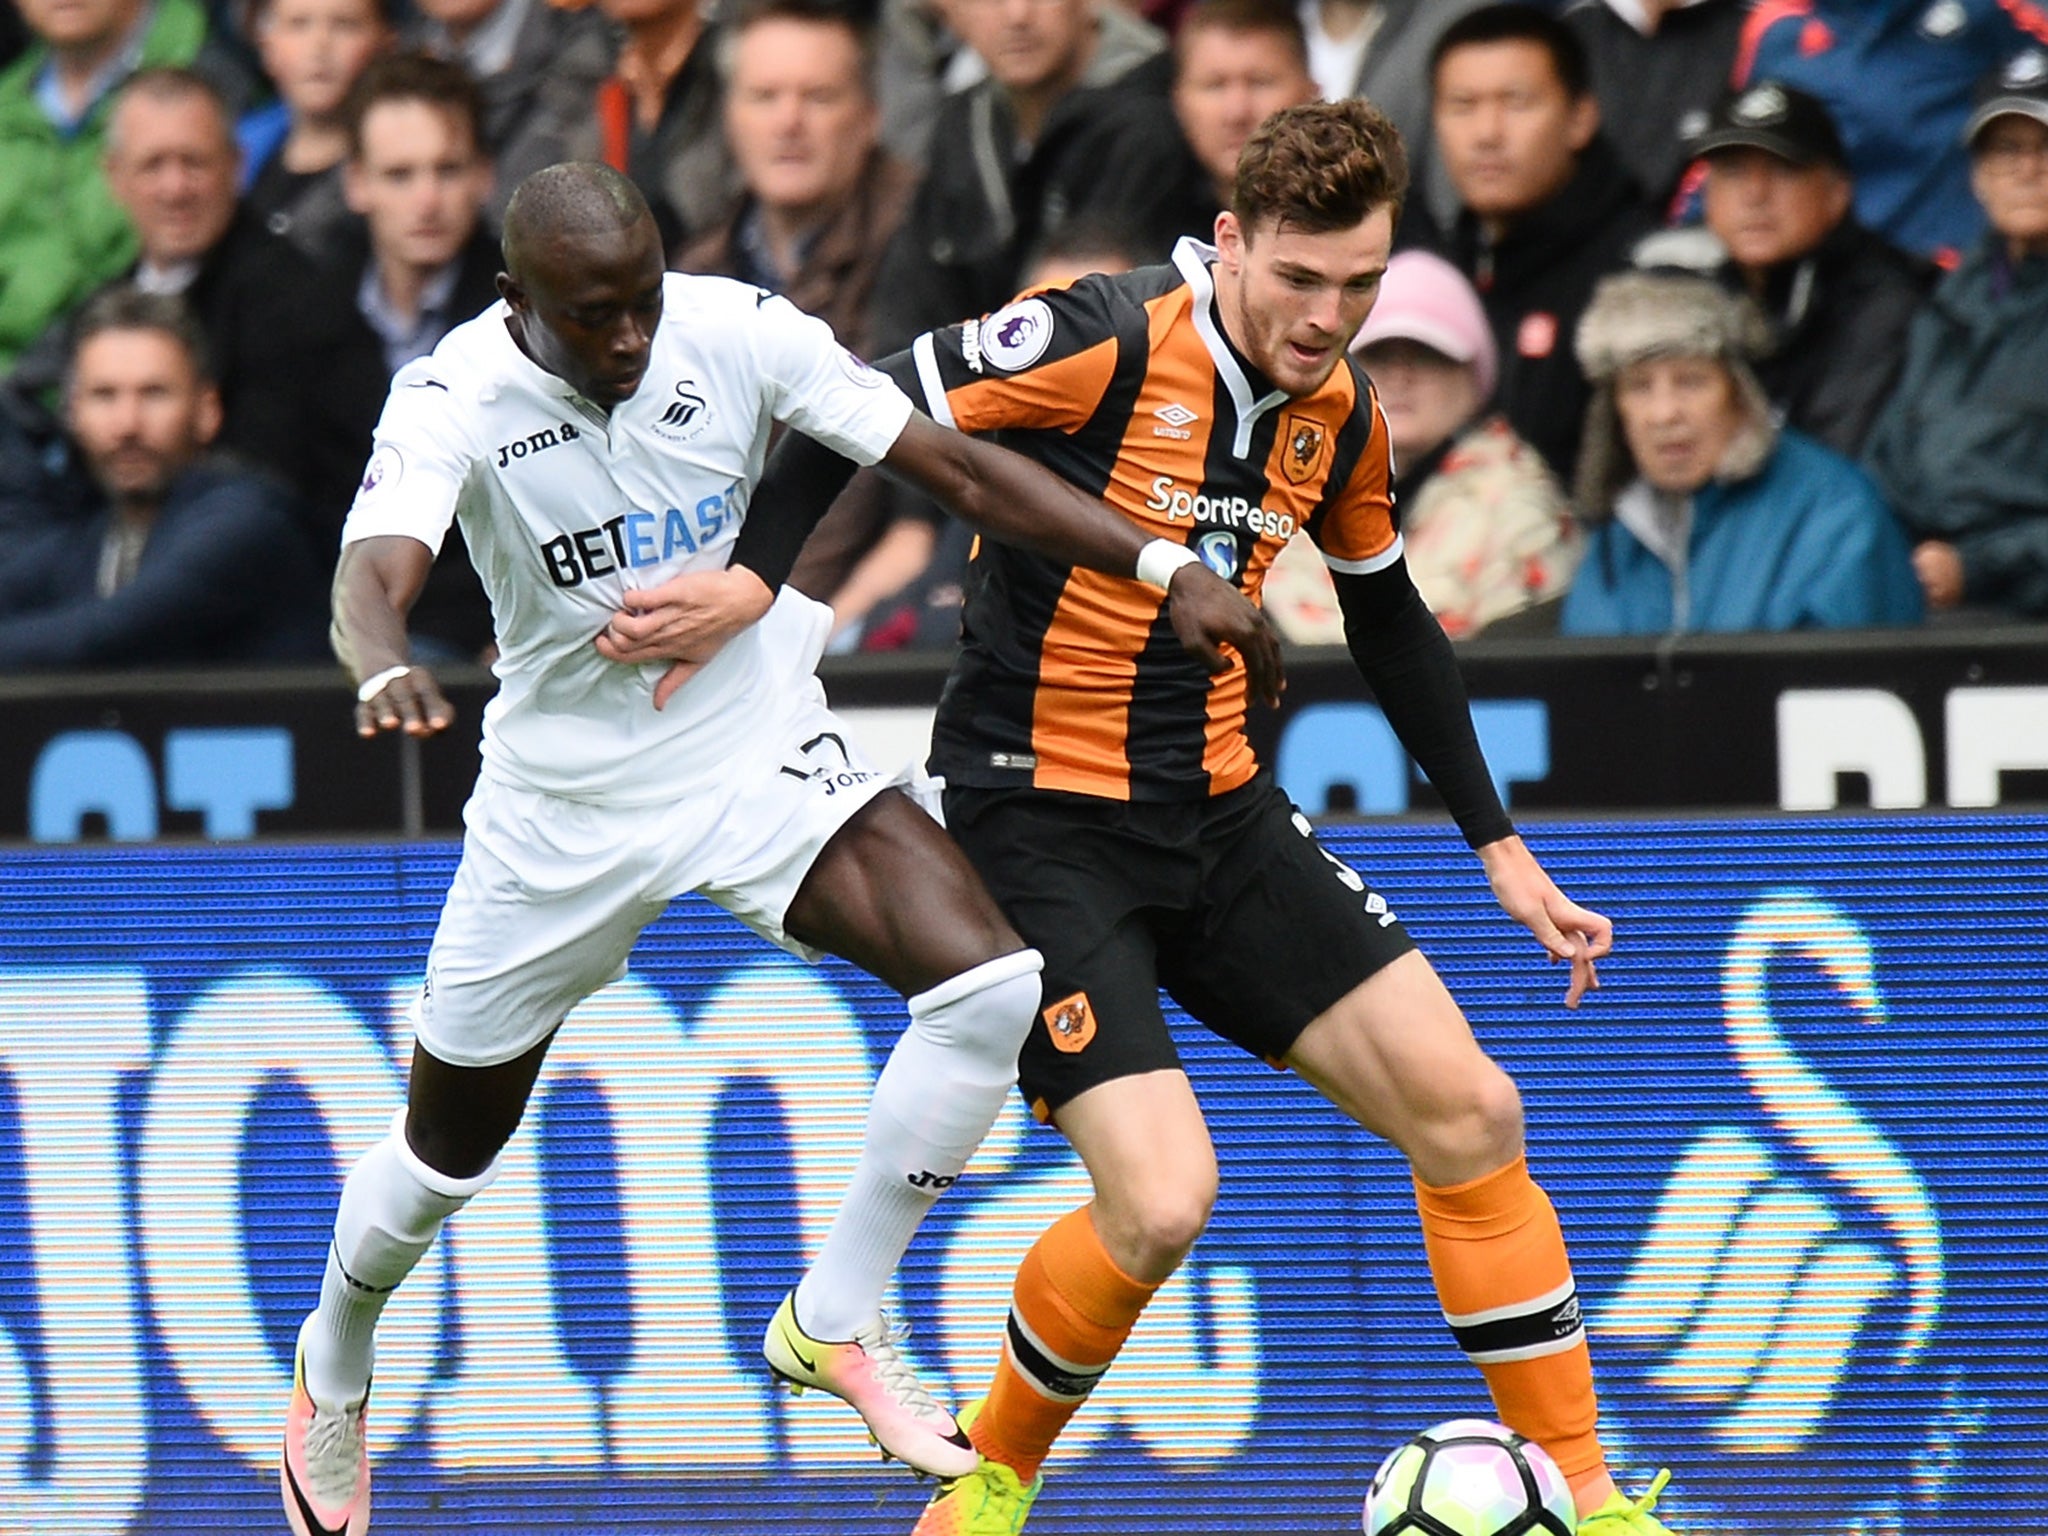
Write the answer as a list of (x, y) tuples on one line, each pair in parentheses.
[(551, 892)]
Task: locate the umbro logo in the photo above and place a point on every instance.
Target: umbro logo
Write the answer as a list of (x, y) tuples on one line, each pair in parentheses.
[(1176, 419)]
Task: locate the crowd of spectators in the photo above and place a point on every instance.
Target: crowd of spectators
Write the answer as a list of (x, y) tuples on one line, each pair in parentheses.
[(1706, 314)]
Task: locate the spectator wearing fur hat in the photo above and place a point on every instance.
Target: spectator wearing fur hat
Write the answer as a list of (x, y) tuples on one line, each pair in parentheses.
[(1486, 525), (1705, 515), (1961, 449)]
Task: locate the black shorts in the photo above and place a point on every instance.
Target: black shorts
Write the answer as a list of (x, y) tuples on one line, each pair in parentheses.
[(1230, 904)]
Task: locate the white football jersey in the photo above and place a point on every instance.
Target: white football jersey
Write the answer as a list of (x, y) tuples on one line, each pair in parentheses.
[(564, 509)]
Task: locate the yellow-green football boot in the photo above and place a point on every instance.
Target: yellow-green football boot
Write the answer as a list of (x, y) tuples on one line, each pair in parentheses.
[(1621, 1516), (991, 1500)]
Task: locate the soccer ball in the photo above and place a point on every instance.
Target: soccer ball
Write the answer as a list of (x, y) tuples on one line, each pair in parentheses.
[(1469, 1477)]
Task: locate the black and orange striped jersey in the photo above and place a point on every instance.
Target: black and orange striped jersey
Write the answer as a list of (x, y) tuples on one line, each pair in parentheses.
[(1128, 388)]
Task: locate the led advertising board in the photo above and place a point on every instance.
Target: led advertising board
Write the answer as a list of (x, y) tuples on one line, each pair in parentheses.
[(1799, 1141)]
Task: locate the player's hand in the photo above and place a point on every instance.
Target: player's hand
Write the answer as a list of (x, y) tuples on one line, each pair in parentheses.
[(1208, 613), (686, 621), (411, 702), (1568, 930)]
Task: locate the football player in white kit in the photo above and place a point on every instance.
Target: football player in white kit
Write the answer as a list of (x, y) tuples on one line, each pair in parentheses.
[(596, 433)]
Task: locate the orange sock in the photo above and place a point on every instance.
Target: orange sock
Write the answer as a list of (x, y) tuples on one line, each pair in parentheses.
[(1505, 1283), (1070, 1312)]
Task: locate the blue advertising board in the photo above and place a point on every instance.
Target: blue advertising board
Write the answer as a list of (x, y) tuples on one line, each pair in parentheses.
[(1799, 1140)]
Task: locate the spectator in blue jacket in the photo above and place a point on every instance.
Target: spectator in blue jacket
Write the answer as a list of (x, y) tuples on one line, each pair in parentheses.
[(1705, 515), (187, 559), (1961, 450), (1897, 77)]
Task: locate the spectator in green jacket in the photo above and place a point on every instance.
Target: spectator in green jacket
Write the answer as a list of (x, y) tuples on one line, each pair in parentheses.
[(61, 233)]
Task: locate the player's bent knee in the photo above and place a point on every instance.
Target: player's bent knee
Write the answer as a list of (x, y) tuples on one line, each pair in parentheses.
[(1485, 1132), (984, 1011), (1152, 1230)]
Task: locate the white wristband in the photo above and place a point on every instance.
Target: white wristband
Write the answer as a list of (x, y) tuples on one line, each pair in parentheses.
[(372, 686), (1159, 559)]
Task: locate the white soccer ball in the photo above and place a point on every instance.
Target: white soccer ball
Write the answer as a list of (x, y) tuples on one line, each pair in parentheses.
[(1469, 1477)]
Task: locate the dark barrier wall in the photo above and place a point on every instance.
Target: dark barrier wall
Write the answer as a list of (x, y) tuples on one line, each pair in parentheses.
[(1799, 1138), (1886, 720)]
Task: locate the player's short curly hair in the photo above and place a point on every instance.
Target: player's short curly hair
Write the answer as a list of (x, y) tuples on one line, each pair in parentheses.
[(1323, 166)]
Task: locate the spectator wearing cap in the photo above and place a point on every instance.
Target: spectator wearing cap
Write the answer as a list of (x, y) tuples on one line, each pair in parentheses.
[(183, 557), (1487, 528), (1961, 449), (61, 233), (1838, 297), (1897, 77), (1705, 515), (1547, 209)]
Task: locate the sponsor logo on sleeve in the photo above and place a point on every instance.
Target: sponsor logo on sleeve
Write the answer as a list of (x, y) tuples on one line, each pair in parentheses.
[(1016, 337), (859, 372), (385, 469)]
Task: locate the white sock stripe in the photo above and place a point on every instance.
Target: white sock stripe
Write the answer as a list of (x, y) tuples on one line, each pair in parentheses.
[(1061, 1362), (1038, 1385), (1572, 1340), (990, 973), (1529, 1308)]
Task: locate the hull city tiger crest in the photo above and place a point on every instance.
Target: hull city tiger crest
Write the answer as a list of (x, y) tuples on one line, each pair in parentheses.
[(1071, 1022), (1302, 453)]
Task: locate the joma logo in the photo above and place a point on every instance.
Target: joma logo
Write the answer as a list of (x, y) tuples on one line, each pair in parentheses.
[(535, 442)]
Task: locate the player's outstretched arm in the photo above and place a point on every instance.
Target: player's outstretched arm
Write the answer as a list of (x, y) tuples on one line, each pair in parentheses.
[(1404, 654), (1008, 497), (1002, 494), (375, 586)]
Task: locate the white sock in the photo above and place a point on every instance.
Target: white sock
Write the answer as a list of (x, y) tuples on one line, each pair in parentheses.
[(938, 1094), (392, 1205)]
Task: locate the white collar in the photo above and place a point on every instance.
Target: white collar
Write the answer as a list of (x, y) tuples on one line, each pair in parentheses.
[(1661, 521), (1193, 257)]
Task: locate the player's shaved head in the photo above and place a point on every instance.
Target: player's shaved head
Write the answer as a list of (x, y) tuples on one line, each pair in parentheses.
[(583, 275), (576, 198)]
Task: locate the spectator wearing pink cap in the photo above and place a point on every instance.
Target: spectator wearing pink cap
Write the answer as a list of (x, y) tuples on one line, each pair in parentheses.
[(1488, 529)]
